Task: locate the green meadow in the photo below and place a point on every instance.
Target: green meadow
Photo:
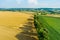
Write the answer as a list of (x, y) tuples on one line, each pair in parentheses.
[(50, 26), (53, 26)]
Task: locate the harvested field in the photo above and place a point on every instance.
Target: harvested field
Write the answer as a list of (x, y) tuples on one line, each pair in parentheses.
[(11, 24)]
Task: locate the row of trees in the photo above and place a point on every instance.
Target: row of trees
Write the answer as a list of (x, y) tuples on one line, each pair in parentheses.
[(40, 27)]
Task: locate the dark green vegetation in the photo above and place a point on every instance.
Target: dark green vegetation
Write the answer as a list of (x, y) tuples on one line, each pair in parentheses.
[(48, 28), (40, 27)]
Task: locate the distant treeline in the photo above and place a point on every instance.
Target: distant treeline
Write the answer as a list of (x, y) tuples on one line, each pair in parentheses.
[(18, 9), (38, 10)]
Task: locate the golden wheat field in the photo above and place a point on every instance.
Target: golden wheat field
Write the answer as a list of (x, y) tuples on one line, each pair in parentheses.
[(10, 22), (12, 18)]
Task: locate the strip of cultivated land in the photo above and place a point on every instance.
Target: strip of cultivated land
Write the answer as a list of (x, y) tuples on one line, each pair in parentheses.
[(15, 26), (53, 26)]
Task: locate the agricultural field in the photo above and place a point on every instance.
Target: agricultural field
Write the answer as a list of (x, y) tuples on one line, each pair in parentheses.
[(12, 18), (15, 26), (53, 26), (29, 24), (50, 26)]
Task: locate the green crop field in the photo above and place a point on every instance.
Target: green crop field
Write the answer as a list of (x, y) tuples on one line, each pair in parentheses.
[(52, 24)]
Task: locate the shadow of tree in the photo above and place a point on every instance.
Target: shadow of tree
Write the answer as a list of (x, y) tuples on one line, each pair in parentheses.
[(22, 36), (28, 31)]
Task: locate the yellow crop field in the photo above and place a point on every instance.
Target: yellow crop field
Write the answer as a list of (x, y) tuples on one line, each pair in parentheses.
[(9, 22), (12, 18)]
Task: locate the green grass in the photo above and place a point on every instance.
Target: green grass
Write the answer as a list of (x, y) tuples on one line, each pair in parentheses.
[(50, 24), (53, 26)]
